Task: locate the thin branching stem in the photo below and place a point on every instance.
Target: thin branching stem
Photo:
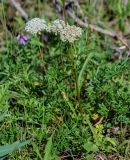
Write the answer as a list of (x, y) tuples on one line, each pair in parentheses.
[(64, 12), (77, 93)]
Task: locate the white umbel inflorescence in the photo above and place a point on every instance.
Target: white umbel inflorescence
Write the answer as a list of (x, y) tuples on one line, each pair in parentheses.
[(35, 25), (66, 32), (70, 33), (56, 26)]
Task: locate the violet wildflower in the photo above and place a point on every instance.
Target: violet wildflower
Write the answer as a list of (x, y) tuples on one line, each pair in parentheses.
[(22, 39)]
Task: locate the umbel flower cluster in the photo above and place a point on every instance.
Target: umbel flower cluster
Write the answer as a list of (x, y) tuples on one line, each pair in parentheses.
[(66, 32), (35, 25)]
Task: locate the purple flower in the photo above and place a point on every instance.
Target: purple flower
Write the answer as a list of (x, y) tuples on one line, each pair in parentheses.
[(22, 39)]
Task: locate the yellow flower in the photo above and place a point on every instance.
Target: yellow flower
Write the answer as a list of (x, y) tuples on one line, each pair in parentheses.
[(95, 116), (99, 126)]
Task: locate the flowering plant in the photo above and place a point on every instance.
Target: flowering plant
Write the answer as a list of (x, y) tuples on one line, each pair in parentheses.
[(67, 33), (22, 39)]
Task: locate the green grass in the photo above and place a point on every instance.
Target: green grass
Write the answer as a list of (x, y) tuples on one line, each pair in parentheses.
[(37, 91)]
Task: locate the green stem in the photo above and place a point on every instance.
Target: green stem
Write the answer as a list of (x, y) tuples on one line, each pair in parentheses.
[(77, 95), (67, 100), (61, 56), (92, 130), (64, 12)]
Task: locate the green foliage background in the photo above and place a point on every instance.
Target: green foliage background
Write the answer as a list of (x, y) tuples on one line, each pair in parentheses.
[(35, 77)]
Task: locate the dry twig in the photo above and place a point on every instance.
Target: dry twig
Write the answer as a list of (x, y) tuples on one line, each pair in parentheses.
[(92, 27), (79, 21), (19, 9), (100, 121)]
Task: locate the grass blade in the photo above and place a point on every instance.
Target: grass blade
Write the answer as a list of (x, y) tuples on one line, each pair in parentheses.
[(48, 149), (80, 77), (3, 116), (6, 149)]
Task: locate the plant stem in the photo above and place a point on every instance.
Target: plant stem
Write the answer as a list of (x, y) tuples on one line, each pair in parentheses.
[(92, 130), (67, 100), (64, 12), (77, 94), (61, 56)]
